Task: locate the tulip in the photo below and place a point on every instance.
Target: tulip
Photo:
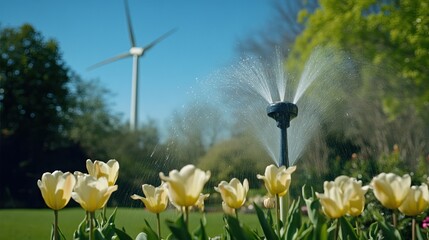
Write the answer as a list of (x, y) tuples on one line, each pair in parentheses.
[(56, 188), (416, 202), (156, 199), (390, 189), (233, 193), (342, 196), (357, 194), (109, 170), (277, 179), (92, 193), (200, 202), (228, 210), (185, 186), (269, 202)]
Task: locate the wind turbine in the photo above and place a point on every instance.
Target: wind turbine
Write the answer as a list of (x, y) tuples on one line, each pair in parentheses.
[(134, 52)]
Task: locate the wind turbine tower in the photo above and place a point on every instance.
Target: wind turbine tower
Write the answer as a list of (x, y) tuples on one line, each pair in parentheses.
[(134, 52)]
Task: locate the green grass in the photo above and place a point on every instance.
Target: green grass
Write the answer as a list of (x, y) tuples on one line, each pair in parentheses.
[(36, 223)]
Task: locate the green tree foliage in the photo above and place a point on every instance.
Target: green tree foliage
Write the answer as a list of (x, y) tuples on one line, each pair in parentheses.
[(51, 119), (391, 35), (34, 106), (93, 123)]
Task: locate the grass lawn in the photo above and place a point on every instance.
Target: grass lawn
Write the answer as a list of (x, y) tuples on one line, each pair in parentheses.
[(36, 223)]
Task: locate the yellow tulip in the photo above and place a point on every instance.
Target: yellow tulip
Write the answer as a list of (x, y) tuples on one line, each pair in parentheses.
[(391, 189), (56, 188), (277, 179), (233, 193), (343, 196), (92, 193), (185, 186), (357, 197), (156, 199), (109, 170), (228, 210), (200, 202), (416, 202)]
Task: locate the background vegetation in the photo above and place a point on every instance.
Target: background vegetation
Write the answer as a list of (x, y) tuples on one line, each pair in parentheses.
[(52, 119)]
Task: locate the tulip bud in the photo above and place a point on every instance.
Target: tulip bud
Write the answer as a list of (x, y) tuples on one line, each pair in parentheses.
[(156, 199), (233, 193), (269, 202), (277, 179), (109, 170)]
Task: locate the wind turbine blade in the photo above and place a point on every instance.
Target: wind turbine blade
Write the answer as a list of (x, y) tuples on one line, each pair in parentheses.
[(156, 41), (109, 60), (130, 27)]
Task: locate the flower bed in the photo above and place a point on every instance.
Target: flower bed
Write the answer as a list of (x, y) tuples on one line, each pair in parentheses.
[(340, 212)]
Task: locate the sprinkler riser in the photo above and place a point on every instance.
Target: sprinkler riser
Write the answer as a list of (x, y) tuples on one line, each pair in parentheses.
[(283, 113)]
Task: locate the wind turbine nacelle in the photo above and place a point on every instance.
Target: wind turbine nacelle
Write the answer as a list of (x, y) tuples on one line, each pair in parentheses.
[(136, 51)]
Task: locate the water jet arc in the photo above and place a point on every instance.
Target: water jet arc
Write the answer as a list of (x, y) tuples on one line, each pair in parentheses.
[(283, 113)]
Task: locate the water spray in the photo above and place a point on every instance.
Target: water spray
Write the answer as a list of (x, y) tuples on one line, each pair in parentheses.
[(283, 113)]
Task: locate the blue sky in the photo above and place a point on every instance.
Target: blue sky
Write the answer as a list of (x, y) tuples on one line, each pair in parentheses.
[(90, 31)]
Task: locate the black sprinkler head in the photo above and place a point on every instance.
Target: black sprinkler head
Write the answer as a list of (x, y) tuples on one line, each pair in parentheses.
[(282, 112)]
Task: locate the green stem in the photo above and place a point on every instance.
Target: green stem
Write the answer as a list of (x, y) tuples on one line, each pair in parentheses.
[(159, 225), (337, 229), (413, 229), (357, 227), (187, 217), (91, 225), (394, 220), (104, 213), (236, 213), (278, 213), (285, 210), (56, 234)]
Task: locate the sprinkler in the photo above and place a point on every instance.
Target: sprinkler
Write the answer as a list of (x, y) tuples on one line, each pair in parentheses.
[(283, 113)]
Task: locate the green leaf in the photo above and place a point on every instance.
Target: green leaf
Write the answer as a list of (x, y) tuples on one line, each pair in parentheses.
[(98, 235), (347, 231), (122, 235), (179, 229), (294, 220), (200, 233), (373, 231), (81, 232), (237, 231), (313, 206), (60, 233), (150, 233), (266, 227), (389, 232)]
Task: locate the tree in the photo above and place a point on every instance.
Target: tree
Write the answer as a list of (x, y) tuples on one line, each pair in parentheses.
[(281, 30), (391, 35), (388, 40), (34, 105)]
